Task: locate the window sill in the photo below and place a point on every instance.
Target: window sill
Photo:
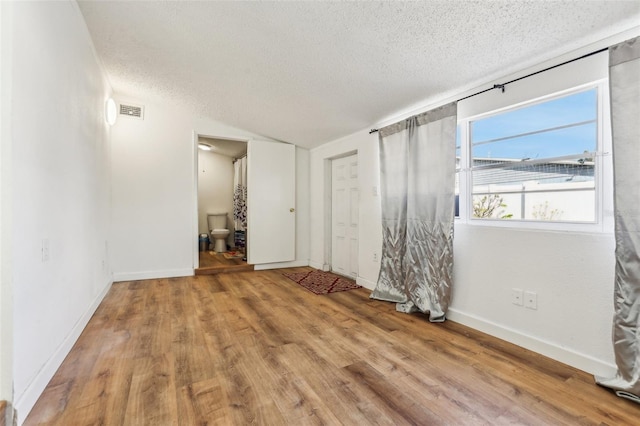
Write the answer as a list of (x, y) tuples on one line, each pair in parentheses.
[(530, 225)]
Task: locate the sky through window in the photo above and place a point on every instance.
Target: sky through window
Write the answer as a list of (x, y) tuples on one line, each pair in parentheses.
[(573, 117)]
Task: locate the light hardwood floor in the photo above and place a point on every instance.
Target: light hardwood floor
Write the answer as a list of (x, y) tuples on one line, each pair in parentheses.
[(215, 263), (256, 348)]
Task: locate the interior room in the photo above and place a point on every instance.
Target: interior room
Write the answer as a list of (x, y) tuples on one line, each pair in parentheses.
[(222, 190), (466, 168)]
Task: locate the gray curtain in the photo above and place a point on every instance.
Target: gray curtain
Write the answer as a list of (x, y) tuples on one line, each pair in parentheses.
[(624, 81), (417, 172)]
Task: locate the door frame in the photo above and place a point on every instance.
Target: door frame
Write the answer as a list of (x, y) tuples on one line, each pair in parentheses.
[(194, 196), (328, 206)]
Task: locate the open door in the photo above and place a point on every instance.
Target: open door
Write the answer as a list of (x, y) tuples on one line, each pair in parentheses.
[(271, 226)]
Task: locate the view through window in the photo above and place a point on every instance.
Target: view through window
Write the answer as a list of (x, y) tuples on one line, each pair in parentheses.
[(535, 162)]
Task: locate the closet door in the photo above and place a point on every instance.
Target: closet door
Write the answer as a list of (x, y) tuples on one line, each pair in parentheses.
[(344, 216), (271, 192)]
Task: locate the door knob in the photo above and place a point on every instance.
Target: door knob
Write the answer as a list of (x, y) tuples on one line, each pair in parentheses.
[(292, 210)]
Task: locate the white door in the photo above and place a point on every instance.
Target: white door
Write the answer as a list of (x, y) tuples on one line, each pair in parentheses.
[(271, 193), (344, 216)]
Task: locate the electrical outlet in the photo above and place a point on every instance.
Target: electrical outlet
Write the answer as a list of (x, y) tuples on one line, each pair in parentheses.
[(517, 296), (531, 300), (45, 250), (375, 257)]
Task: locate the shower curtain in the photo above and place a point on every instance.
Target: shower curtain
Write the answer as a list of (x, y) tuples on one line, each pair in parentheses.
[(624, 81), (240, 200), (417, 172)]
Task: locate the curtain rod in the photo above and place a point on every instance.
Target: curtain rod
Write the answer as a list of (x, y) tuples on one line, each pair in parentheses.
[(502, 86)]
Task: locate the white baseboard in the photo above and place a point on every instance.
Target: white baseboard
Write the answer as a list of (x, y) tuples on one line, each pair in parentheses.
[(25, 402), (567, 356), (150, 275), (316, 265), (365, 283), (278, 265)]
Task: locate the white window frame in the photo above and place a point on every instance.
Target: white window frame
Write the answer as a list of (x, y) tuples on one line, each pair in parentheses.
[(603, 174)]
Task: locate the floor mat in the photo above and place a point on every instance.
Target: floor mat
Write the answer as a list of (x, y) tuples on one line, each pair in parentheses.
[(320, 282)]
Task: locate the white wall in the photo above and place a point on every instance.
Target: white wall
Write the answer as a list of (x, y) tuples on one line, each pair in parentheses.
[(6, 304), (154, 215), (60, 162), (572, 272), (215, 189)]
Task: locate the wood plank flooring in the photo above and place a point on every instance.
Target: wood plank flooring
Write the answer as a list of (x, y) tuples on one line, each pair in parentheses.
[(256, 348), (215, 263)]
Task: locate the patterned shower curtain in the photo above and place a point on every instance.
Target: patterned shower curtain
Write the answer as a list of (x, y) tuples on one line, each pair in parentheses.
[(240, 194), (417, 172)]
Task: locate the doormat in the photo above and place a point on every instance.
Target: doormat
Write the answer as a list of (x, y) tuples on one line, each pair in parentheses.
[(320, 282), (227, 254), (232, 254)]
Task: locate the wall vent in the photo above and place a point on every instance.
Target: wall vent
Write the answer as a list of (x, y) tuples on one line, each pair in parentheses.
[(134, 111)]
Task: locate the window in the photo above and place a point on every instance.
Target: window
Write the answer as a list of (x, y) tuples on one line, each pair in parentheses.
[(535, 162)]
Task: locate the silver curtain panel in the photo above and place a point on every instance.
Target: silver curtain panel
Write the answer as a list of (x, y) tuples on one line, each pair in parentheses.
[(417, 172), (624, 81)]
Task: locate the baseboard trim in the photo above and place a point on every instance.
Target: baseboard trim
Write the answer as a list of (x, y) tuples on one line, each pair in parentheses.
[(370, 285), (25, 402), (278, 265), (567, 356), (150, 275), (316, 265)]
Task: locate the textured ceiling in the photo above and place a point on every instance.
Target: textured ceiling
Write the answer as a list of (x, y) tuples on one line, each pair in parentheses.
[(311, 72)]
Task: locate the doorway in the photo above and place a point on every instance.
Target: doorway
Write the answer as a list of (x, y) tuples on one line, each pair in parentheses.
[(218, 161), (345, 215)]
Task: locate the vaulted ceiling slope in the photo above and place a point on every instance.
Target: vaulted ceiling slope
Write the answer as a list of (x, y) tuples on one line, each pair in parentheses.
[(311, 72)]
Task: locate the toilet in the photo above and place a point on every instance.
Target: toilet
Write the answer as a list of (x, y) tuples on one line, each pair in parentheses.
[(218, 231)]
